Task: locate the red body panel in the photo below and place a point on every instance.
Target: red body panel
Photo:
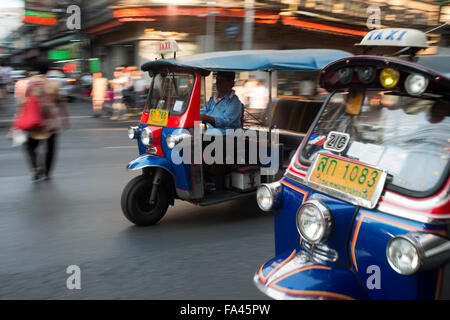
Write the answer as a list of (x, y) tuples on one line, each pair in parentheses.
[(192, 114)]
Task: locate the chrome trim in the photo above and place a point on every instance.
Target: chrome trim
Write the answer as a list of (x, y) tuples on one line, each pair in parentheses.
[(151, 150), (300, 259), (433, 249), (414, 215), (326, 217), (135, 132), (345, 196), (320, 252), (278, 295), (296, 178), (275, 189)]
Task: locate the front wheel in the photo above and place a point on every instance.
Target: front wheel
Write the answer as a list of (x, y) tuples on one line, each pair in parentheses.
[(136, 204)]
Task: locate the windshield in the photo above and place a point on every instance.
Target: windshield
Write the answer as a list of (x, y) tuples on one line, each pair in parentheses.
[(406, 136), (171, 91)]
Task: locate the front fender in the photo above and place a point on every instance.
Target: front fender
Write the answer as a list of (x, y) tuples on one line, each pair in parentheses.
[(295, 275), (148, 160)]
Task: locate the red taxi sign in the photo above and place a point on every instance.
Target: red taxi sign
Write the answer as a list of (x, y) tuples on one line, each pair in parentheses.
[(167, 46)]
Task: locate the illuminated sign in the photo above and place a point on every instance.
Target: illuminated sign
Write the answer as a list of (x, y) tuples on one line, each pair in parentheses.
[(94, 65), (70, 67), (40, 18), (59, 55)]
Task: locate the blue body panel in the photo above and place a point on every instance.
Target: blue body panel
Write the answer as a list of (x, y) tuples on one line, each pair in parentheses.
[(294, 195), (371, 233), (293, 275), (181, 173), (360, 237), (148, 160)]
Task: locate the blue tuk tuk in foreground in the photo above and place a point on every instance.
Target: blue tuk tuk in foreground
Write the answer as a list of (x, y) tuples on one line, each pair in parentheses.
[(169, 121), (363, 210)]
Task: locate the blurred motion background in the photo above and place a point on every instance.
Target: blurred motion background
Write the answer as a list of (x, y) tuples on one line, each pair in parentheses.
[(75, 218), (113, 33)]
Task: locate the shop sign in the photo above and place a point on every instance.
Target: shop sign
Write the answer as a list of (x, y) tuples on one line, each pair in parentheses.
[(40, 18)]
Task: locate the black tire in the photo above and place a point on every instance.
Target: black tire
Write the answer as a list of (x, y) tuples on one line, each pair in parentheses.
[(135, 201)]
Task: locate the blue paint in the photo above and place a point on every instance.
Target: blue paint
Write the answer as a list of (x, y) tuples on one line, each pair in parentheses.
[(343, 278)]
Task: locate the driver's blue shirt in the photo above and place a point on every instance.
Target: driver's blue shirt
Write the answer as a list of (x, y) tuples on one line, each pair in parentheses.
[(226, 112)]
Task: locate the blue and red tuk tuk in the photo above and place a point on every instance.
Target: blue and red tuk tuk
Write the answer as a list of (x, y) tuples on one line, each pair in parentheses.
[(363, 211), (170, 120)]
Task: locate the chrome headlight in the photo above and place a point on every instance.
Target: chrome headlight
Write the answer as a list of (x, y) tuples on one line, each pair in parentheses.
[(146, 136), (174, 139), (268, 196), (403, 256), (132, 132), (416, 84), (314, 222), (416, 251)]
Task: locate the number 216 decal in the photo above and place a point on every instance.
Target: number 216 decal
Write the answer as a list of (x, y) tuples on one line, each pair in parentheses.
[(336, 141)]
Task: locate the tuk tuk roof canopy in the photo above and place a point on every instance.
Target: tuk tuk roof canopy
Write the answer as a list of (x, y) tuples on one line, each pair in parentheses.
[(252, 60)]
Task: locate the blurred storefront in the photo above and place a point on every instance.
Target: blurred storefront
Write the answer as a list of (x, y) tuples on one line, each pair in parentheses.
[(130, 30), (127, 32)]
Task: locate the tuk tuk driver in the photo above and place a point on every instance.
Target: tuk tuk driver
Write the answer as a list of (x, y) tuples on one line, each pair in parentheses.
[(224, 109)]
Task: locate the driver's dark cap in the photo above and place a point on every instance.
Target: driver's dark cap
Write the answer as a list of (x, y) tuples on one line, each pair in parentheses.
[(229, 75)]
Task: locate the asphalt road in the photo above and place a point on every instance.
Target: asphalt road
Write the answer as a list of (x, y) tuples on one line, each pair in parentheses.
[(194, 252)]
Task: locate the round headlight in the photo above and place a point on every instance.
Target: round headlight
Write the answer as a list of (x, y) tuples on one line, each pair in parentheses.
[(132, 132), (416, 84), (366, 74), (171, 141), (345, 75), (389, 78), (264, 198), (314, 222), (403, 256), (146, 136), (269, 195)]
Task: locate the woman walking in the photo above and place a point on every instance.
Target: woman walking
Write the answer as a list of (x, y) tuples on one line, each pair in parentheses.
[(54, 118)]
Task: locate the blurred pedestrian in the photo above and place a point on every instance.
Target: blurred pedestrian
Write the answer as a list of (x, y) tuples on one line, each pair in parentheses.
[(139, 86), (258, 95), (128, 83), (117, 85), (20, 90), (86, 84), (3, 81), (98, 93), (53, 119)]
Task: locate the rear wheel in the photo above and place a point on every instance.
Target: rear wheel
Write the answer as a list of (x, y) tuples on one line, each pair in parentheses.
[(136, 204)]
